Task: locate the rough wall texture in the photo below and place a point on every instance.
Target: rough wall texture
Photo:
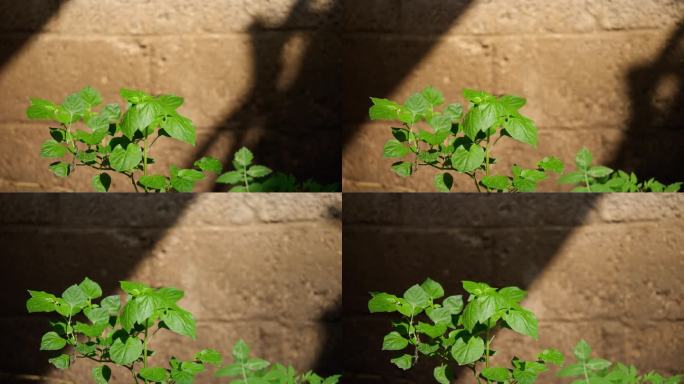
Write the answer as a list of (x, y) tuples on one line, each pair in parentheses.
[(254, 73), (602, 74), (607, 269), (263, 268)]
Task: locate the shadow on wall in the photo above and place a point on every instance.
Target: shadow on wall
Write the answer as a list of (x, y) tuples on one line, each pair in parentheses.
[(25, 18), (51, 241), (291, 121), (653, 142), (298, 128), (386, 61), (395, 240)]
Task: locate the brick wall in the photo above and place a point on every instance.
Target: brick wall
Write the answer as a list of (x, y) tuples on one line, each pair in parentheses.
[(254, 73), (602, 74), (607, 269), (263, 268), (291, 78)]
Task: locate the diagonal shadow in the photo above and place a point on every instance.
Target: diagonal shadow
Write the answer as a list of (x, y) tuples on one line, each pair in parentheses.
[(23, 19), (302, 126), (391, 241), (50, 241), (652, 144), (45, 249), (298, 122)]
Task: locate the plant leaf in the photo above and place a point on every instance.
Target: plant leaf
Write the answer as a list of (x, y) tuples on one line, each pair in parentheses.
[(124, 353), (123, 160), (467, 160), (101, 374), (522, 129), (497, 374), (52, 149), (393, 148), (443, 182), (101, 182), (522, 321), (243, 157), (209, 164), (404, 361), (496, 182), (583, 159), (51, 341), (402, 168), (393, 341), (180, 128), (466, 353)]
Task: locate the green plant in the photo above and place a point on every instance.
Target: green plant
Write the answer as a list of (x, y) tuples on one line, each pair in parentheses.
[(456, 333), (598, 178), (461, 143), (115, 141), (248, 177), (251, 370), (118, 333), (600, 371)]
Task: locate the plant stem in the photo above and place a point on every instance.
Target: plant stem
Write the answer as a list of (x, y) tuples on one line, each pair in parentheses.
[(472, 176), (487, 352), (145, 347), (130, 369), (415, 336), (586, 180), (135, 186), (245, 177), (586, 374), (487, 160), (475, 373), (244, 374), (145, 159)]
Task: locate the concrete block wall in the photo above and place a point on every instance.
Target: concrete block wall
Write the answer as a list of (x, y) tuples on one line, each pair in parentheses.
[(608, 269), (253, 73), (602, 74), (263, 268)]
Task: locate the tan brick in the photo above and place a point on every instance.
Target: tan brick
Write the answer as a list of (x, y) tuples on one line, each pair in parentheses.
[(178, 16), (496, 17), (397, 66), (609, 272), (644, 347), (243, 263), (229, 74), (630, 14), (621, 208), (558, 75), (51, 67)]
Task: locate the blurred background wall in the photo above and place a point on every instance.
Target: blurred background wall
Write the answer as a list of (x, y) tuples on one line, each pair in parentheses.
[(604, 74), (266, 269), (609, 270)]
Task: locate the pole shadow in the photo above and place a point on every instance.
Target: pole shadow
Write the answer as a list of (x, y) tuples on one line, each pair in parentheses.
[(392, 241), (655, 134), (51, 241)]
